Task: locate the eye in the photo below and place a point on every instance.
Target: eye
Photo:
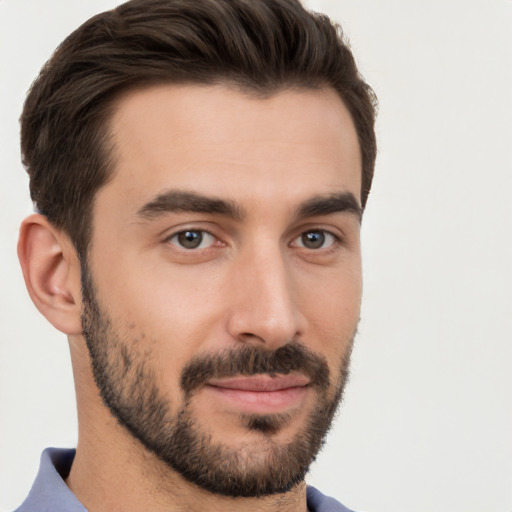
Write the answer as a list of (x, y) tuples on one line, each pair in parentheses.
[(192, 239), (315, 239)]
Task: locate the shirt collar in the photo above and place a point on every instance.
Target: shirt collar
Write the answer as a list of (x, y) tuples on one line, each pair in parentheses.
[(49, 492)]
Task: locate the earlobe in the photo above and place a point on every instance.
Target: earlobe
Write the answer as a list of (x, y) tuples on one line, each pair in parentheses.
[(51, 271)]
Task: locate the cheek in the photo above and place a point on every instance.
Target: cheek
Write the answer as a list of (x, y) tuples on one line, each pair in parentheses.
[(176, 315), (333, 313), (151, 291)]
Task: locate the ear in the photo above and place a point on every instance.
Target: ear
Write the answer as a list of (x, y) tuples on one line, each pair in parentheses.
[(51, 269)]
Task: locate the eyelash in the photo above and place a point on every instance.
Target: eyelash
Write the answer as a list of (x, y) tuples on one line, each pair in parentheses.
[(324, 235), (202, 233), (184, 232)]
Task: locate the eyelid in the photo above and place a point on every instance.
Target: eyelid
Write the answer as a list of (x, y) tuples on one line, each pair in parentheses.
[(205, 232), (335, 239)]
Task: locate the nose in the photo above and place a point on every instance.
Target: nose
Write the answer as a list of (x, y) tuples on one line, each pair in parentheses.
[(264, 307)]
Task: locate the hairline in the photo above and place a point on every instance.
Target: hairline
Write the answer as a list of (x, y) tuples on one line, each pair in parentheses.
[(112, 103)]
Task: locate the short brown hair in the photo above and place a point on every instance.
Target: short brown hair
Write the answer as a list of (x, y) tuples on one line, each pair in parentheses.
[(261, 46)]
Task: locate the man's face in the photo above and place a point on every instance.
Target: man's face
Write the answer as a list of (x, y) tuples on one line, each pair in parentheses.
[(223, 282)]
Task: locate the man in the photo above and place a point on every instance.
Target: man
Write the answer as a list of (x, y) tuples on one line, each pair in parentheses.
[(199, 170)]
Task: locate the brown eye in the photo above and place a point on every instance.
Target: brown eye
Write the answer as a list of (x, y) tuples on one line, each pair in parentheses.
[(192, 239)]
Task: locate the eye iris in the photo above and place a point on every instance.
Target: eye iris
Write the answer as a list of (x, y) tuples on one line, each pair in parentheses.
[(313, 239), (190, 239)]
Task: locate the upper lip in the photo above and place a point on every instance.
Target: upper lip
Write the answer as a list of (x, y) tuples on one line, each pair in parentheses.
[(262, 382)]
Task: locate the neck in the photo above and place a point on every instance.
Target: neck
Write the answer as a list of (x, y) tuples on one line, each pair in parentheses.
[(113, 471), (123, 476)]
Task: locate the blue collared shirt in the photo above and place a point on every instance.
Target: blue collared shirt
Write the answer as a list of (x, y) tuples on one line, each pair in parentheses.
[(51, 494)]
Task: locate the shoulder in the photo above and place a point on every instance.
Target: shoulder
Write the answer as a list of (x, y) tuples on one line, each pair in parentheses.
[(318, 502)]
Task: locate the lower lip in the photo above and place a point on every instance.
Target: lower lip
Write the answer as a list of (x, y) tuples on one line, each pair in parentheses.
[(260, 402)]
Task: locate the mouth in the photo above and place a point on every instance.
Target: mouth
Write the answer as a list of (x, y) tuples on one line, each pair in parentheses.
[(260, 394)]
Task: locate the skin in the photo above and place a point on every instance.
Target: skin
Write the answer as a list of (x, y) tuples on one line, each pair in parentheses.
[(252, 281)]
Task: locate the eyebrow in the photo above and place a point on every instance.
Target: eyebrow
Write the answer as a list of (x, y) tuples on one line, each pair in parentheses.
[(329, 204), (181, 201)]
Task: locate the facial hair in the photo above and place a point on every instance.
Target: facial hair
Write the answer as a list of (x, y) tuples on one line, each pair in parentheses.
[(128, 386)]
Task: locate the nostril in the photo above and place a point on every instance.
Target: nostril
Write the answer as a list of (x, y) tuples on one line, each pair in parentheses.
[(250, 337)]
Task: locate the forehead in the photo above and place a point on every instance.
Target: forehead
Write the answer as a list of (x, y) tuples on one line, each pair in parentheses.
[(220, 141)]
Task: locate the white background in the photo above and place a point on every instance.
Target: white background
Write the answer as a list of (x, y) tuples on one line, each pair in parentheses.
[(427, 420)]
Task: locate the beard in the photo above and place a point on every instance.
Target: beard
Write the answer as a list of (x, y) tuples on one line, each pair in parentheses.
[(129, 388)]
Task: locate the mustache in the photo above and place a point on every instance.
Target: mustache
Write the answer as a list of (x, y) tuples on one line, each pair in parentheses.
[(249, 360)]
